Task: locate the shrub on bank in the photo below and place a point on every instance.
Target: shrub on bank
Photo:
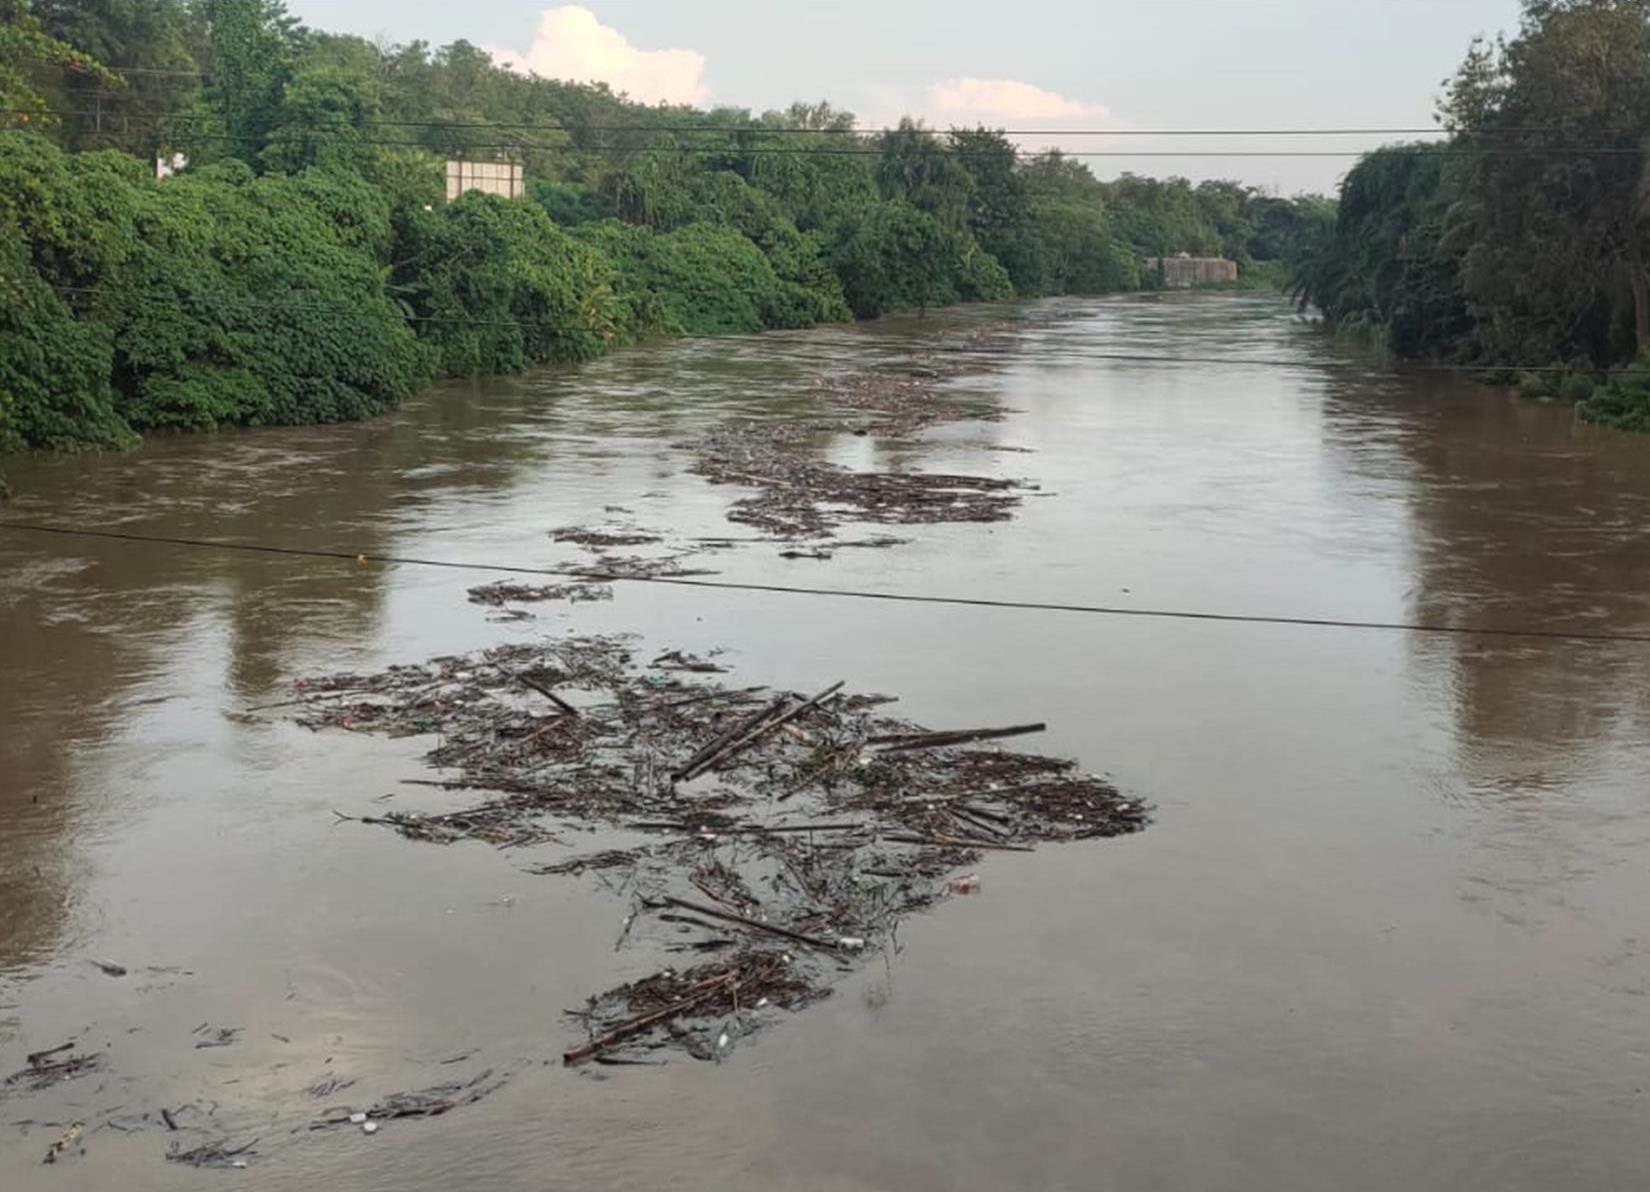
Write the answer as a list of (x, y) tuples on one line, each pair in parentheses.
[(258, 301), (1623, 400), (701, 279), (494, 286), (54, 369), (212, 299), (891, 256)]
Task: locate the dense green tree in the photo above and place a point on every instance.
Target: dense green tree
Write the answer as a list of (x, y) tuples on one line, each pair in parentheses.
[(55, 370), (1229, 208), (257, 301), (252, 46), (495, 286), (154, 47), (704, 279), (322, 120), (1385, 270), (32, 59), (1082, 252), (891, 256), (207, 300), (1525, 238), (916, 167), (1555, 199), (1000, 212), (1159, 218), (1289, 230), (811, 188)]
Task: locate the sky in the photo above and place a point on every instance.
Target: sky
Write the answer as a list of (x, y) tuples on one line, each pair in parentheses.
[(1142, 65)]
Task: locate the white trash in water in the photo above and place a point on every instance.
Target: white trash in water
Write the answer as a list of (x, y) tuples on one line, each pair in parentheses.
[(357, 1118), (851, 943), (369, 1127)]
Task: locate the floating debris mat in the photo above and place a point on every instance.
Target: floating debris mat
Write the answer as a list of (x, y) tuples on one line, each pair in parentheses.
[(774, 838), (799, 495), (497, 595), (52, 1066)]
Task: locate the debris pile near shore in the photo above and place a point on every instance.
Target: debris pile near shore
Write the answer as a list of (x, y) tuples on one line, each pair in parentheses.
[(773, 836)]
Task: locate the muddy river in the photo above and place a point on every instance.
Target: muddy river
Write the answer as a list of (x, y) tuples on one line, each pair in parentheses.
[(1388, 928)]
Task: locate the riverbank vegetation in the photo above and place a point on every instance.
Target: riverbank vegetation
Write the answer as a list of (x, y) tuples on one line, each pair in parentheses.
[(303, 265), (1520, 241)]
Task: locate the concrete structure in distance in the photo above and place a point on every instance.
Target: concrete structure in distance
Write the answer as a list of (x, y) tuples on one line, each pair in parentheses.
[(489, 177), (1186, 272)]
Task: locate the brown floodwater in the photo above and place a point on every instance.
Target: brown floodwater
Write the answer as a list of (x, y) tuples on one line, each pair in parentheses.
[(1388, 930)]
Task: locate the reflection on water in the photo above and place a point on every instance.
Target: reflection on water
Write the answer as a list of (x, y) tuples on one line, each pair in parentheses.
[(1521, 516), (1384, 933), (1546, 523), (97, 631)]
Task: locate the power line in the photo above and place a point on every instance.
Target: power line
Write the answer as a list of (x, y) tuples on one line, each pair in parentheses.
[(871, 130), (786, 130), (344, 133), (1568, 151), (553, 124), (152, 70), (790, 151), (590, 574)]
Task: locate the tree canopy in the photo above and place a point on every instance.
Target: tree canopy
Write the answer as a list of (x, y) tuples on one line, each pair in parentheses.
[(1523, 239)]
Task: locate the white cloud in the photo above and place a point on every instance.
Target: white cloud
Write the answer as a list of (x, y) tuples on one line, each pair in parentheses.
[(967, 100), (572, 44)]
